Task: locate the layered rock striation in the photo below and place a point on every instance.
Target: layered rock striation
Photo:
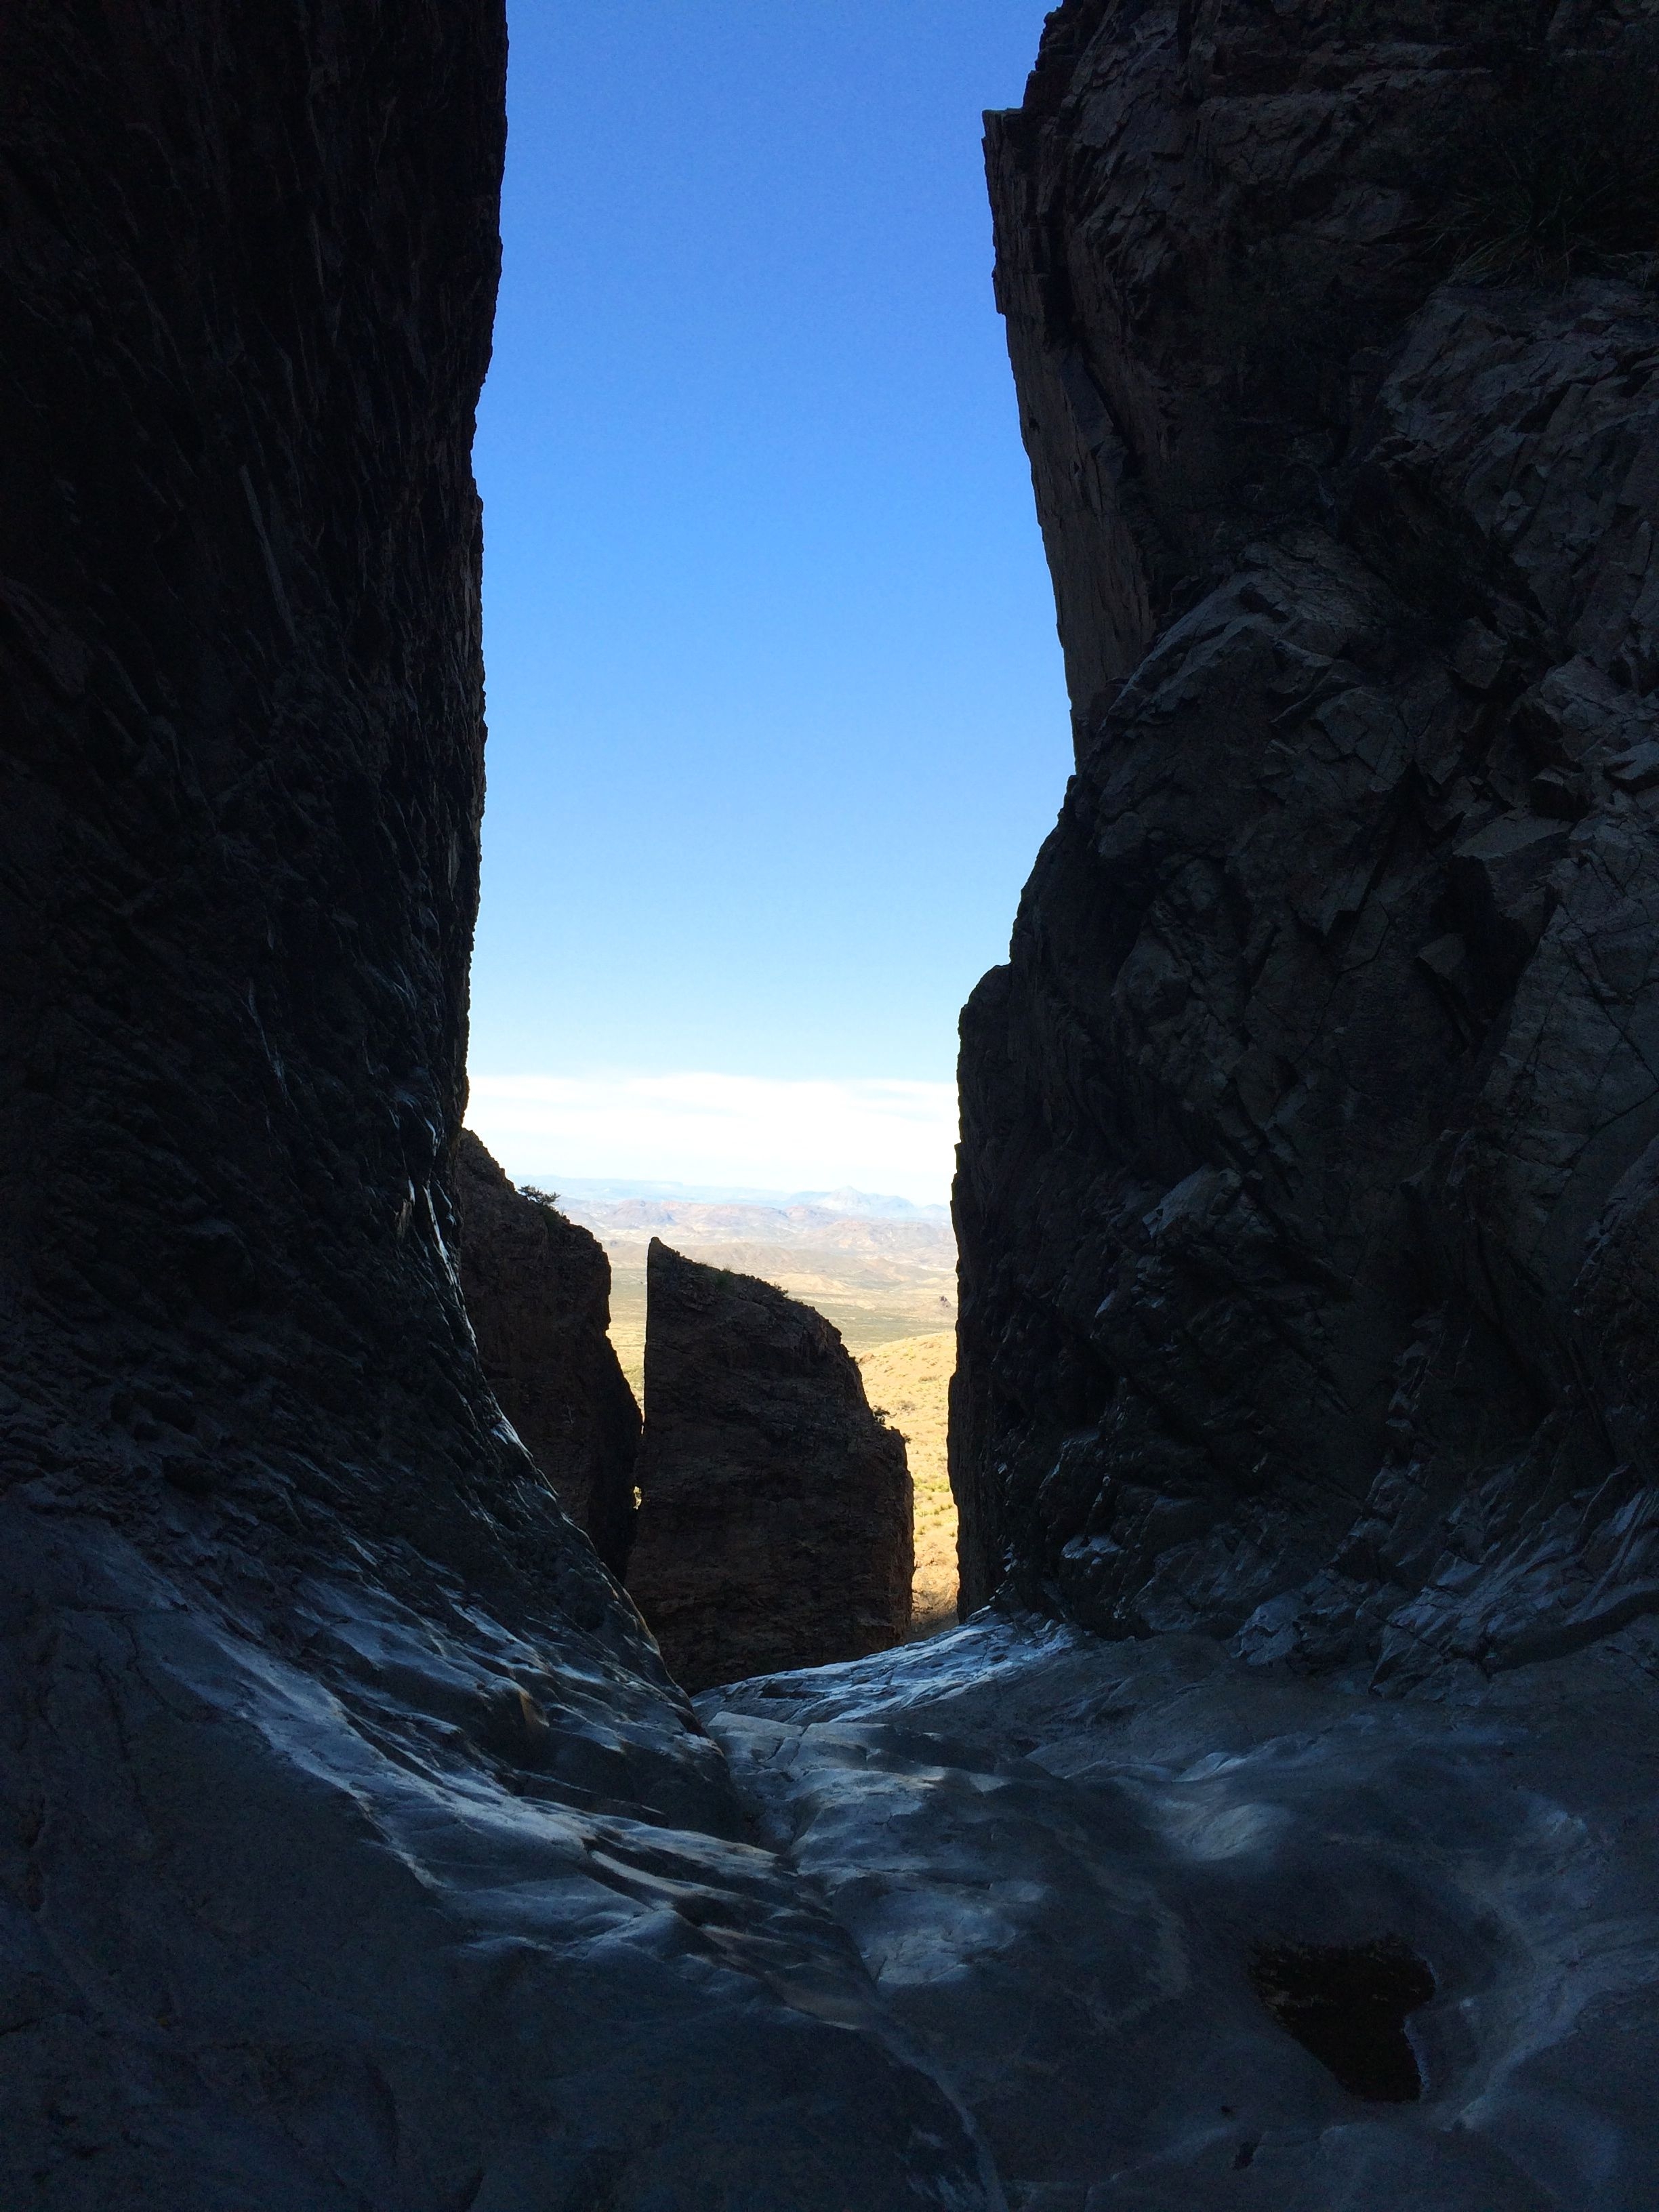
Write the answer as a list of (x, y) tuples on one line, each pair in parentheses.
[(1311, 1134), (775, 1516), (356, 1851), (537, 1291)]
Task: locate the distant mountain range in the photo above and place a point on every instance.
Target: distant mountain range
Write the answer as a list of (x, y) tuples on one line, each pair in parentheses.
[(858, 1205), (879, 1269), (906, 1242)]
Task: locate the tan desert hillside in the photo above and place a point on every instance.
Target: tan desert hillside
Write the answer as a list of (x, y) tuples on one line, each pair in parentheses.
[(876, 1280), (909, 1381)]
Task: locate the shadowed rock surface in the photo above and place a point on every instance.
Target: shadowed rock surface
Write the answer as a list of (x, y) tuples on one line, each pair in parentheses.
[(537, 1291), (1093, 1879), (357, 1855), (775, 1520), (1307, 1190)]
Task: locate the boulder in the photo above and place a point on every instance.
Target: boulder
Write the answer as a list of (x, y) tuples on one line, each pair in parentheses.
[(538, 1290), (775, 1514)]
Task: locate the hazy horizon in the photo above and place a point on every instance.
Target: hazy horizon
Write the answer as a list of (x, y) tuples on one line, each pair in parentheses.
[(620, 1190), (733, 1131)]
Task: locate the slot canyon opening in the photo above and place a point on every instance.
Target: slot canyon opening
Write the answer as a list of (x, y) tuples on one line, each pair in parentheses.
[(794, 744), (1348, 2006)]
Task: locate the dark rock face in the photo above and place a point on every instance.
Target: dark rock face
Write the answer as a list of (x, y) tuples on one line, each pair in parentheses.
[(1311, 1134), (356, 1852), (775, 1524), (238, 546), (538, 1290)]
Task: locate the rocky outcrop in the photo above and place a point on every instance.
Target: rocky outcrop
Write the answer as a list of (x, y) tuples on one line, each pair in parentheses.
[(356, 1851), (776, 1521), (537, 1291), (1310, 1133)]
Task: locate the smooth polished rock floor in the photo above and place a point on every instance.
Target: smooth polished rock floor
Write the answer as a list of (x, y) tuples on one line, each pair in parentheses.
[(407, 1912), (1067, 1864)]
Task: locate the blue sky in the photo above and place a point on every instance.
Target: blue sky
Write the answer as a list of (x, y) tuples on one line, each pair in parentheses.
[(776, 714)]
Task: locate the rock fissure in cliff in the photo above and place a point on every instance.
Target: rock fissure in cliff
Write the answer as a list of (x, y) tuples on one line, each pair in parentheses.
[(273, 1566)]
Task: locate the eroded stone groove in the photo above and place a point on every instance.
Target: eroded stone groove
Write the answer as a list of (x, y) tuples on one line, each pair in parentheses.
[(1078, 1867), (1307, 1186)]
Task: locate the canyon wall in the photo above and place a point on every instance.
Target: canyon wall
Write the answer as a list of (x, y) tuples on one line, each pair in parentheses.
[(537, 1291), (355, 1851), (1310, 1135), (775, 1526)]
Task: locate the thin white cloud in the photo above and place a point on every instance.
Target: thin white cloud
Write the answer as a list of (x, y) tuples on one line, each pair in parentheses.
[(894, 1138)]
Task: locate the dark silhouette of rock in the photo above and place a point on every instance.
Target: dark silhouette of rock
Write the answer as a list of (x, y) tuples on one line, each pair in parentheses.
[(775, 1517), (357, 1855), (538, 1290), (1310, 1135)]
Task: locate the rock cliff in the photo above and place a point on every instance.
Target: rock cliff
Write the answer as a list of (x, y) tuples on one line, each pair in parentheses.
[(356, 1851), (537, 1291), (1311, 1134), (775, 1526)]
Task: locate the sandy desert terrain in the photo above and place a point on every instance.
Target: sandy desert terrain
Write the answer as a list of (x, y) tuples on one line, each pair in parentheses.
[(909, 1380)]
